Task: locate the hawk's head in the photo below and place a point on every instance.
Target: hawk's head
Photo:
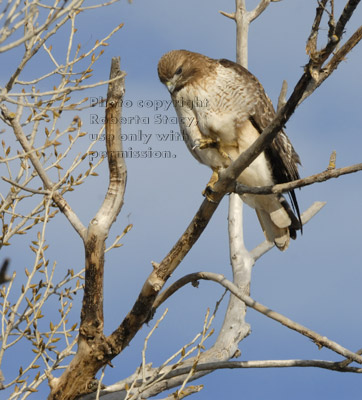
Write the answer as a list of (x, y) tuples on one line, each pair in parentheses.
[(180, 67)]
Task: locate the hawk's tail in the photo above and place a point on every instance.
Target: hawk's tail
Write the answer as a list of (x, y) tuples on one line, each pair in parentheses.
[(277, 219)]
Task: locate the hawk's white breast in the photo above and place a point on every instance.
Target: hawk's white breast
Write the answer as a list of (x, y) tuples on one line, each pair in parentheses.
[(224, 118)]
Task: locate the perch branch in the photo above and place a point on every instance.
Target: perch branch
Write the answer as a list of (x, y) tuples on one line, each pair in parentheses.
[(286, 187)]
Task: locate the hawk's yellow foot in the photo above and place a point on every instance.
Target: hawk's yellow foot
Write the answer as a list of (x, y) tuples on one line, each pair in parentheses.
[(209, 190), (209, 143)]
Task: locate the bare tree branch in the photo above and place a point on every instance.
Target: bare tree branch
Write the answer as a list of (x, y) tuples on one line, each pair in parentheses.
[(63, 205), (311, 47), (242, 32), (321, 341), (117, 392), (31, 33), (334, 366), (286, 187), (345, 363), (94, 350), (141, 311), (253, 14), (92, 310), (187, 391), (345, 17), (27, 189), (235, 328), (228, 15), (282, 95), (340, 55)]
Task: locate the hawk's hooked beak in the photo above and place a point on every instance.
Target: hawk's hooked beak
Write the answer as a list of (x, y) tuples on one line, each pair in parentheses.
[(170, 86)]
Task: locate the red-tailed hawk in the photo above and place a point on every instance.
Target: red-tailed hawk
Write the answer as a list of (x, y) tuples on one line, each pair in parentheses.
[(222, 109)]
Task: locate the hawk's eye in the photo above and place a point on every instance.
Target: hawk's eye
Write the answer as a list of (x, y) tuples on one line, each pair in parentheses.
[(178, 71)]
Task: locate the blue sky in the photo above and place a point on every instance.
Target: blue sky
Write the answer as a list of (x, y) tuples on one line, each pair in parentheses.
[(315, 282)]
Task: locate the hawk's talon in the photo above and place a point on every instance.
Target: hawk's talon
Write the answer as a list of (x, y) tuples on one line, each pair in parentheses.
[(209, 143), (223, 154), (196, 145), (206, 143)]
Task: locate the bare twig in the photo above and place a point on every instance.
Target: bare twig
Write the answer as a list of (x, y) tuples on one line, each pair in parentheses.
[(100, 383), (187, 391), (228, 15), (339, 55), (286, 187), (311, 47), (253, 14), (65, 90), (63, 205), (146, 342), (27, 189), (282, 95)]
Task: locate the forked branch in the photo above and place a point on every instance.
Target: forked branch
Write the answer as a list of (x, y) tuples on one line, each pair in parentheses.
[(94, 350)]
